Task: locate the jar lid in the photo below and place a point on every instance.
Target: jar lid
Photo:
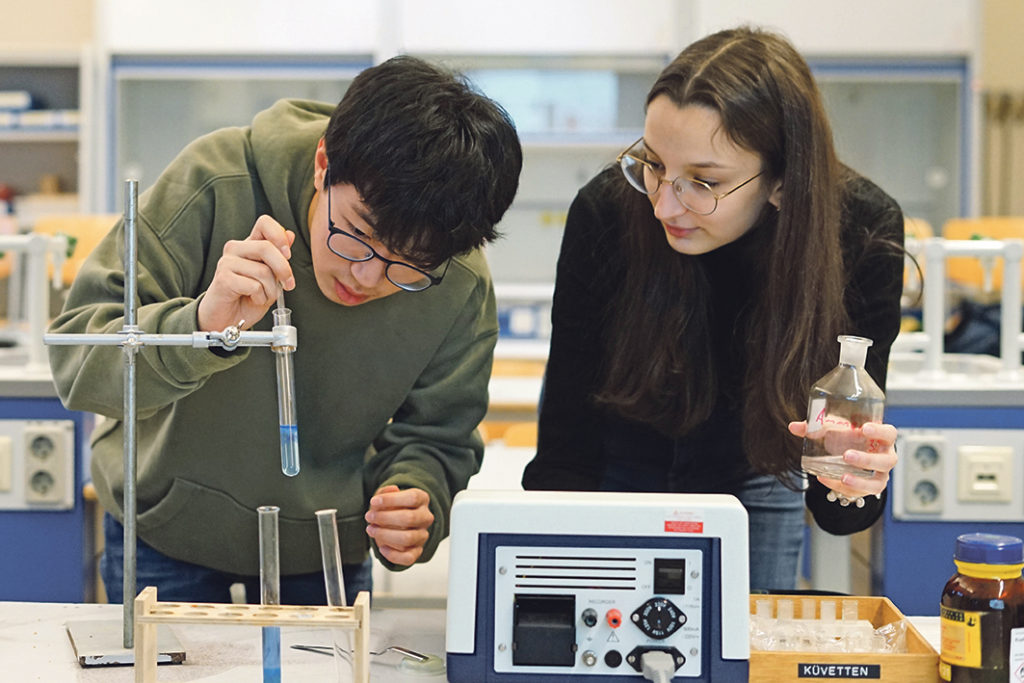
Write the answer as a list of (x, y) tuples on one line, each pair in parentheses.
[(989, 549)]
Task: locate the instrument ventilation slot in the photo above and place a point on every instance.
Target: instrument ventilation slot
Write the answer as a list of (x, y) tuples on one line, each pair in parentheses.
[(566, 572)]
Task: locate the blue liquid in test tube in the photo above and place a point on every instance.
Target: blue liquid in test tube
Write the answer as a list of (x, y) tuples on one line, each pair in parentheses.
[(271, 654), (286, 398), (270, 589), (290, 449)]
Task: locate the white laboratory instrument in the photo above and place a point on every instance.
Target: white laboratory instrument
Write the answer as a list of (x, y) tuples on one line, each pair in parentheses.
[(582, 584)]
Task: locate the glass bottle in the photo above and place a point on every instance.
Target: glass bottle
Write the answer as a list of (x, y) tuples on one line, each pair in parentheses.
[(839, 404), (982, 611)]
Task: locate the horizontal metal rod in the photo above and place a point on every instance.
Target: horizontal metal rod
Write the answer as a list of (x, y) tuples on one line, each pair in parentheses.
[(199, 340), (961, 247)]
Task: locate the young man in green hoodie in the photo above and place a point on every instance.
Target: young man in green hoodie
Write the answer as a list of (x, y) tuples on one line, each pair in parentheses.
[(371, 217)]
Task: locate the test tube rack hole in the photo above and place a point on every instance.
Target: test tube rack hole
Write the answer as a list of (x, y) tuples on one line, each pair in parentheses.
[(149, 613)]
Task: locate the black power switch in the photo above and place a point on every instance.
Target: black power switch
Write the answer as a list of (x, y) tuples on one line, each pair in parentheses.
[(544, 630)]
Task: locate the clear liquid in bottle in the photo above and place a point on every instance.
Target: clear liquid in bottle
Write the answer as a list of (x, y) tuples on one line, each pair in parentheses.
[(839, 405)]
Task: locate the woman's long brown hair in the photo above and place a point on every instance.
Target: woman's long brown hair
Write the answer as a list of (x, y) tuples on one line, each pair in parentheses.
[(661, 366)]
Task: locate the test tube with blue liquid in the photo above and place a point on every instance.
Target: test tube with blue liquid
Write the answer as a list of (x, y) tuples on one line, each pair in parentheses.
[(270, 590), (286, 392)]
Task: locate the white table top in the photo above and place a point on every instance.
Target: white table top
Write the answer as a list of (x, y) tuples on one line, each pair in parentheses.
[(34, 646)]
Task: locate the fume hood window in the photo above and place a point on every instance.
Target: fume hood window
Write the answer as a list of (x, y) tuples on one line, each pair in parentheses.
[(568, 101)]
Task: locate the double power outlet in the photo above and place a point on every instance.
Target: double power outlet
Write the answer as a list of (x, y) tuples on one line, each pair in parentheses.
[(954, 476), (37, 464)]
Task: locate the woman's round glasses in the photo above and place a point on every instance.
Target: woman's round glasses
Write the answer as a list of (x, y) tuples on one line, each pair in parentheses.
[(695, 195), (351, 248)]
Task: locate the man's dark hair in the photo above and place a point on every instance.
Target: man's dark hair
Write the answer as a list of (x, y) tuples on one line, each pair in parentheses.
[(436, 162)]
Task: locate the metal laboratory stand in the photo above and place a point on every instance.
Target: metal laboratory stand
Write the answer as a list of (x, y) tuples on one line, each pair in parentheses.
[(131, 339)]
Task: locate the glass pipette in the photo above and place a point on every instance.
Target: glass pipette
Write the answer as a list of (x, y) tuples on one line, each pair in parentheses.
[(286, 392)]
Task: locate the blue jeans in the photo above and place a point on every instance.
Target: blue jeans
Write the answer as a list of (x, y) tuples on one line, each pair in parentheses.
[(776, 527), (178, 581), (775, 520)]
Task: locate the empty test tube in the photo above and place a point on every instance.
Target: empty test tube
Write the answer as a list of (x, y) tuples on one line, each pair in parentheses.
[(330, 550), (286, 393), (850, 610), (828, 610), (807, 608), (334, 583), (270, 590)]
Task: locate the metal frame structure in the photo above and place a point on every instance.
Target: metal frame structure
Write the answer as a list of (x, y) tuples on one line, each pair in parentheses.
[(131, 339)]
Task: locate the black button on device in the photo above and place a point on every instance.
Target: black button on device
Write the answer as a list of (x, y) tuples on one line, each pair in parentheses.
[(612, 658), (669, 576), (658, 618), (544, 630)]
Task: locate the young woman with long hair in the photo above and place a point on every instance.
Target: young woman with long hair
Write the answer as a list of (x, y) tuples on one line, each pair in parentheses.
[(701, 285)]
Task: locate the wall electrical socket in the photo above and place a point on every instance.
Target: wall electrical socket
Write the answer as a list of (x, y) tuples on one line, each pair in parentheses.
[(37, 464), (958, 474), (985, 474), (49, 458), (922, 459), (6, 463)]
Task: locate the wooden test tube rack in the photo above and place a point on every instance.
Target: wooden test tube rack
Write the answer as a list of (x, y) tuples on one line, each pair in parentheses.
[(149, 613)]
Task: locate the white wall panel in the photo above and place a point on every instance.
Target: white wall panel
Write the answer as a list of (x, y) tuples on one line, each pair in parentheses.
[(553, 27), (238, 26), (864, 27), (559, 27)]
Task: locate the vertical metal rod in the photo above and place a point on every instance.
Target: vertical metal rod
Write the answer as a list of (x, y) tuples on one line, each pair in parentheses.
[(37, 292), (131, 248), (1009, 343), (270, 590), (129, 589), (933, 315)]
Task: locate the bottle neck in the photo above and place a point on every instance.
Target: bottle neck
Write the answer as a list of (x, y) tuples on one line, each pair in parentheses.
[(989, 571), (853, 355)]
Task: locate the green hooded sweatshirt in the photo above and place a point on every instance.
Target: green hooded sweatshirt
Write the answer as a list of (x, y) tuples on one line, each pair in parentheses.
[(388, 392)]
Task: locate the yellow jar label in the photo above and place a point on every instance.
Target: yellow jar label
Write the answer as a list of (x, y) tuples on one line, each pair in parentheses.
[(960, 637)]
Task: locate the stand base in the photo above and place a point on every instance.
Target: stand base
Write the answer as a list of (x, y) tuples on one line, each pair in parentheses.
[(101, 643)]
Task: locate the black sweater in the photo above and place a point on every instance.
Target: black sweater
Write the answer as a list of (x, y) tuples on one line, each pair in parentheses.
[(577, 440)]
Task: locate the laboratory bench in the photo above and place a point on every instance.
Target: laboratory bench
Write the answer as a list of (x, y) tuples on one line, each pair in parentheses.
[(34, 646)]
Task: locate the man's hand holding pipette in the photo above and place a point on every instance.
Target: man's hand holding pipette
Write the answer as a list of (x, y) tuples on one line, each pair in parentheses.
[(398, 520), (245, 285)]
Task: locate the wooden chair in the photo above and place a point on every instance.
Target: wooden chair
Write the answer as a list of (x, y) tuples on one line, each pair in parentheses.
[(521, 435), (918, 229), (971, 272), (86, 229), (513, 434)]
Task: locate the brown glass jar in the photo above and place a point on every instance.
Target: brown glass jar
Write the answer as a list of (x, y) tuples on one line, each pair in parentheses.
[(981, 605)]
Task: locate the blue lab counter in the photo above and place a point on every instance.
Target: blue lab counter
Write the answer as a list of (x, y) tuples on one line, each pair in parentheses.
[(47, 553)]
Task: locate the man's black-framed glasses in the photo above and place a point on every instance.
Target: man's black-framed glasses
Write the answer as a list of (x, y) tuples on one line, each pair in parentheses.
[(695, 195), (351, 248)]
